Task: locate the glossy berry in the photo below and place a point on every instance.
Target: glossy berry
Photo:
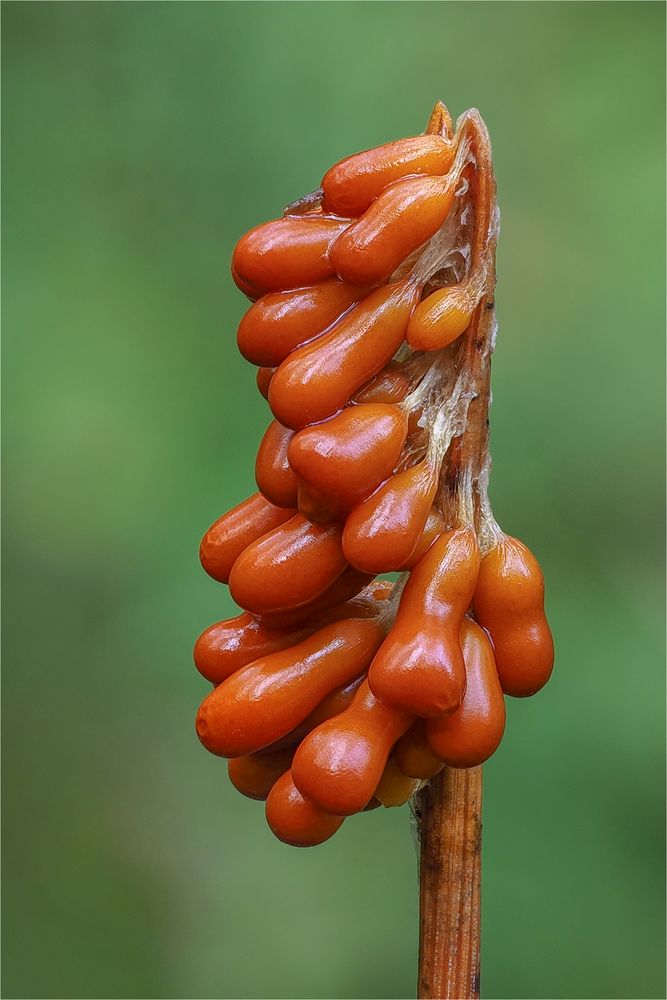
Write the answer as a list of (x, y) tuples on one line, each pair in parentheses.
[(227, 646), (352, 184), (400, 220), (227, 537), (346, 458), (509, 603), (435, 527), (287, 567), (349, 584), (255, 775), (273, 473), (281, 321), (439, 319), (473, 732), (414, 756), (395, 788), (390, 385), (285, 253), (267, 699), (420, 666), (317, 380), (264, 376), (339, 765), (294, 819), (382, 532), (331, 705)]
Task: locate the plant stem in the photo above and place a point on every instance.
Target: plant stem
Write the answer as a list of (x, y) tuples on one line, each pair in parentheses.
[(449, 809), (450, 869)]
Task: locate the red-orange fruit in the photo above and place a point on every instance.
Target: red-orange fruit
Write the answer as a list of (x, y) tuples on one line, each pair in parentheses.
[(264, 376), (318, 379), (413, 754), (440, 318), (382, 532), (347, 457), (509, 603), (229, 645), (295, 820), (285, 253), (255, 774), (339, 765), (348, 585), (227, 537), (401, 219), (395, 788), (352, 184), (267, 699), (420, 666), (315, 506), (273, 474), (331, 705), (287, 567), (281, 321), (390, 385), (226, 646), (472, 733), (435, 527)]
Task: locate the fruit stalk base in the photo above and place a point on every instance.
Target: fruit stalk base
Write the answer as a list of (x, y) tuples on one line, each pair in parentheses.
[(450, 814)]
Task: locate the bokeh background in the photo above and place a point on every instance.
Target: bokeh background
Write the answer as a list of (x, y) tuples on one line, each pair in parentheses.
[(140, 141)]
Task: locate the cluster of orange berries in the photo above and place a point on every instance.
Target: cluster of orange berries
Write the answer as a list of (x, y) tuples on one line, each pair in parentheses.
[(334, 691)]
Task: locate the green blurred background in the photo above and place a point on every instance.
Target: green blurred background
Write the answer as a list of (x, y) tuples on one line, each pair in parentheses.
[(140, 141)]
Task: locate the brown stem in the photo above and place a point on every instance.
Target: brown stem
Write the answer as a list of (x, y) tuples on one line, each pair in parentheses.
[(449, 809), (449, 889)]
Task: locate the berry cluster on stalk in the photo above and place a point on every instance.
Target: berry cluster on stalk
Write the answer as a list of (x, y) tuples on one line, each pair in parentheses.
[(372, 326)]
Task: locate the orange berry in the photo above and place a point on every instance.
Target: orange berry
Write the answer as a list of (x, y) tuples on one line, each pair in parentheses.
[(352, 184), (399, 221), (419, 667), (346, 458), (472, 733), (273, 474), (295, 820), (267, 699), (339, 765), (395, 788), (413, 754), (227, 537), (281, 321), (285, 253), (255, 774), (509, 603), (439, 319), (288, 567), (382, 532), (318, 379)]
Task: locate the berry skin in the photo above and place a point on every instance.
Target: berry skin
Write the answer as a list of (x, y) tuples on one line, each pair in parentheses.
[(281, 321), (352, 184), (267, 699), (382, 533), (255, 775), (285, 253), (227, 537), (287, 567), (509, 603), (273, 474), (420, 667), (473, 732), (317, 380), (399, 221), (346, 458), (339, 765), (294, 819)]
